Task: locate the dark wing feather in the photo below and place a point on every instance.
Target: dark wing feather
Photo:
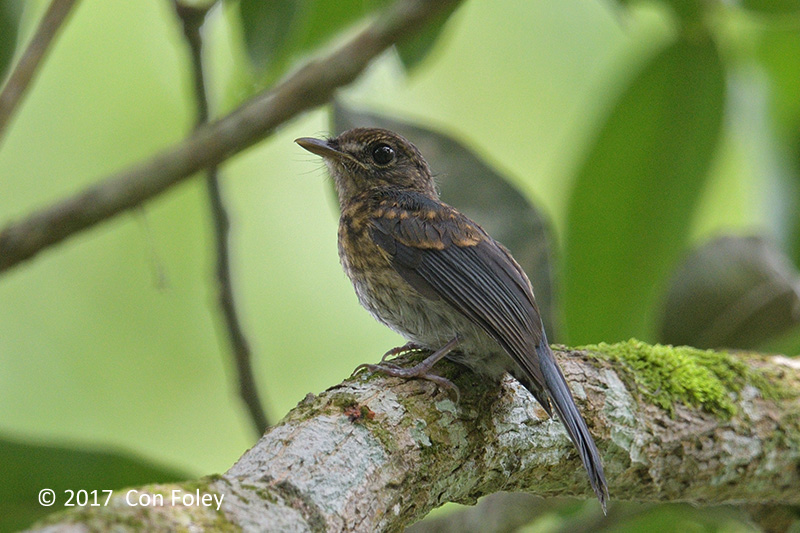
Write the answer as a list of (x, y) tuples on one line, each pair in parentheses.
[(405, 260), (475, 280), (443, 254)]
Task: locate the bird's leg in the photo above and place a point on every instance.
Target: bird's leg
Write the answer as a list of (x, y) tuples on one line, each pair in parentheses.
[(420, 370), (407, 347)]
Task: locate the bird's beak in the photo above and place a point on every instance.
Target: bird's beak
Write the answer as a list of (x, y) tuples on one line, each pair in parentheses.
[(319, 147)]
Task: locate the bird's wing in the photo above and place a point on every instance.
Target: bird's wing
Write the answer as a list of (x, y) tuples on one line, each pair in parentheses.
[(443, 254)]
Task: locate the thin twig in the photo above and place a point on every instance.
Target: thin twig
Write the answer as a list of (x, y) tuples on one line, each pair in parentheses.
[(23, 73), (306, 88), (192, 19)]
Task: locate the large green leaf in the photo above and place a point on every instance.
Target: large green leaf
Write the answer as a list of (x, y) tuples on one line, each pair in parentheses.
[(690, 11), (733, 292), (267, 26), (29, 468), (415, 49), (773, 7), (275, 31), (633, 198), (779, 54), (324, 18), (10, 11), (482, 193)]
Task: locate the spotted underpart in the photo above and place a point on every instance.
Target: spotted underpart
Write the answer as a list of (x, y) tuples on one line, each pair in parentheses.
[(384, 292)]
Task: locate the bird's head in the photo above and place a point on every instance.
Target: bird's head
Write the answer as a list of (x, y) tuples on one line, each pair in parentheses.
[(364, 159)]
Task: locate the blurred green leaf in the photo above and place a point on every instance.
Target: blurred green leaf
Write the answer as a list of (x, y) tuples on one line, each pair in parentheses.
[(482, 193), (672, 517), (414, 50), (688, 10), (685, 10), (733, 292), (631, 206), (275, 31), (324, 18), (10, 12), (29, 468), (773, 7), (778, 53), (266, 26)]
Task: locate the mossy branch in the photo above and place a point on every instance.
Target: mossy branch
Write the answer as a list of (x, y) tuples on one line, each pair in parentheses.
[(377, 453)]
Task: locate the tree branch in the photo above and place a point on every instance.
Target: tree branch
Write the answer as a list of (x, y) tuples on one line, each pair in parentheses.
[(28, 63), (192, 19), (310, 86), (377, 453)]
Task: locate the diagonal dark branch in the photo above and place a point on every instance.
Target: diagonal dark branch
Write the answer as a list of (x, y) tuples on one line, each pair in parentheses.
[(248, 390), (192, 19), (308, 87), (26, 67)]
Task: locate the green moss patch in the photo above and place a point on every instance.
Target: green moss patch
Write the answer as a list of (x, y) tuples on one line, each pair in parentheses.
[(665, 374)]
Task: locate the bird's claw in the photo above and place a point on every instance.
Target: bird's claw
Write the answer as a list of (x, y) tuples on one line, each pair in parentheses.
[(421, 371), (443, 382), (407, 347), (416, 371), (380, 367)]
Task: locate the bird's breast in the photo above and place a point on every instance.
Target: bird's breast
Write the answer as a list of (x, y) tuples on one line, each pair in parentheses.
[(395, 303)]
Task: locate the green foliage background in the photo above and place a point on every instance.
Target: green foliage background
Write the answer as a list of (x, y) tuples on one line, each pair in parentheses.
[(112, 340)]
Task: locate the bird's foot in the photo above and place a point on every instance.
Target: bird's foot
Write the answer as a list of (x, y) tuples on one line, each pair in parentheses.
[(407, 347), (421, 370)]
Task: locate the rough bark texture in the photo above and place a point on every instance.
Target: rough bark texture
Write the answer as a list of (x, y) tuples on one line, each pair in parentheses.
[(376, 453)]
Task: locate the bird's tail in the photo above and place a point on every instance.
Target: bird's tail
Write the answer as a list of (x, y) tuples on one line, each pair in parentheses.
[(564, 405)]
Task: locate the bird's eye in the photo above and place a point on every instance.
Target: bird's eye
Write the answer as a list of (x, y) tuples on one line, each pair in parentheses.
[(382, 153)]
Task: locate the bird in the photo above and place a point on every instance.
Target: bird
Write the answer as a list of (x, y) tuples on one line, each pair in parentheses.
[(434, 276)]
